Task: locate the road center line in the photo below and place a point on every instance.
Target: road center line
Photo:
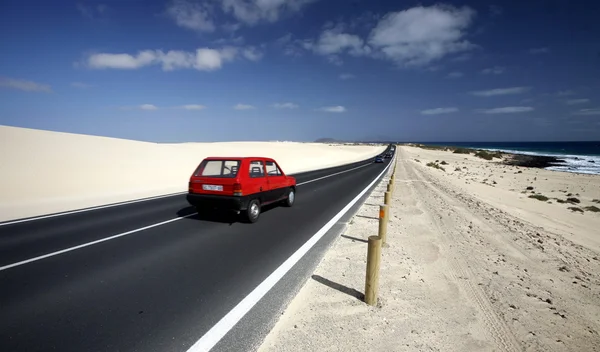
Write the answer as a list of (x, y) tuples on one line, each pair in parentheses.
[(91, 243), (337, 173), (132, 231)]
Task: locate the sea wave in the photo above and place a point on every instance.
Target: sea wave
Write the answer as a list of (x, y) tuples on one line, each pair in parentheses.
[(584, 164)]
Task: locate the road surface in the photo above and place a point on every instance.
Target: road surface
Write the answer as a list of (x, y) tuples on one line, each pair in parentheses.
[(154, 275)]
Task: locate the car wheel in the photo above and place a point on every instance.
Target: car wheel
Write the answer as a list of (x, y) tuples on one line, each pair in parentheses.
[(252, 213), (290, 199)]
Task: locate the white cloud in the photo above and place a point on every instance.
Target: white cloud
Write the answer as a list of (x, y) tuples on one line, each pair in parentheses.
[(506, 110), (421, 35), (148, 107), (191, 15), (193, 107), (203, 59), (455, 75), (496, 70), (122, 61), (501, 91), (336, 109), (243, 107), (565, 93), (577, 101), (252, 54), (345, 76), (335, 60), (495, 10), (414, 37), (334, 41), (81, 85), (461, 58), (231, 40), (285, 106), (438, 111), (28, 86), (588, 112), (91, 11), (539, 50), (251, 12)]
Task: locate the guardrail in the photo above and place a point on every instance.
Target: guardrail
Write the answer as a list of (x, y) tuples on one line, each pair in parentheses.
[(375, 243)]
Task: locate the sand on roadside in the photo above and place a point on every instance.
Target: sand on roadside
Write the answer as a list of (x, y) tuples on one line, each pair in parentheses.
[(46, 172), (473, 264)]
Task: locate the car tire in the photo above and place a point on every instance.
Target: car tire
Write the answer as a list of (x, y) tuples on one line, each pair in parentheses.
[(252, 213), (290, 199)]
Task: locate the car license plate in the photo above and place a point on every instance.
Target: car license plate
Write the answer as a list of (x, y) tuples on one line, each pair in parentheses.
[(212, 188)]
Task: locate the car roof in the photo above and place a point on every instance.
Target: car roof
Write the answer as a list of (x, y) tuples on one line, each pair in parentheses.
[(237, 158)]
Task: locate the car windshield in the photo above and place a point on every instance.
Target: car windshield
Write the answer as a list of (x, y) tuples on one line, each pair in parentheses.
[(218, 168)]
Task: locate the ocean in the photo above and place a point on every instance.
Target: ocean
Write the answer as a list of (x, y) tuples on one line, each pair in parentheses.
[(579, 157)]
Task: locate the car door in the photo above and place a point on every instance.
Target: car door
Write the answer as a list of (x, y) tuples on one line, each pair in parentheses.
[(276, 180), (257, 180)]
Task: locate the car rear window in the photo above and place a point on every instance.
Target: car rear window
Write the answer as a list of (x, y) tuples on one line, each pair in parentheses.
[(218, 168)]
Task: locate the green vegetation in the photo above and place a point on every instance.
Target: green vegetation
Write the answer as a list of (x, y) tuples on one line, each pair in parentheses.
[(593, 208), (462, 151), (484, 155), (529, 188), (573, 200), (435, 165), (576, 209), (458, 169), (432, 147), (417, 160), (444, 163), (539, 197), (562, 201), (596, 201)]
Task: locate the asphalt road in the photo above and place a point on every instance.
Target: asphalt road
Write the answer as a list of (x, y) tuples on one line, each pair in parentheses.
[(156, 288)]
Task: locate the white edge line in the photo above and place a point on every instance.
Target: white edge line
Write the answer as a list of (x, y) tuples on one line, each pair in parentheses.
[(216, 333), (137, 201), (90, 243)]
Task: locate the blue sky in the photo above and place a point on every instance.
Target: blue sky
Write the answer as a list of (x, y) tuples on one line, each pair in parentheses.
[(177, 71)]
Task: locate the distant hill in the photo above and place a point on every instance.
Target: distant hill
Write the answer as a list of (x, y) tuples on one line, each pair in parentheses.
[(327, 140)]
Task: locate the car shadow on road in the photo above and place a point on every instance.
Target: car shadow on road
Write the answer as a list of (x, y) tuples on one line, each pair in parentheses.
[(223, 217), (344, 289)]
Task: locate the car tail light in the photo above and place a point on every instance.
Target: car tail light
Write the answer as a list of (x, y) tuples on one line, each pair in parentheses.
[(190, 187), (237, 189)]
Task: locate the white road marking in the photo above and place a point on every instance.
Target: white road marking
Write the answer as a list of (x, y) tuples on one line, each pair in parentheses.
[(128, 232), (337, 173), (89, 209), (90, 243), (216, 333)]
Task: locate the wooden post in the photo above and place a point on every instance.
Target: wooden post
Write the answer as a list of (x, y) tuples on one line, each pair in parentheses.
[(390, 187), (383, 210), (386, 198), (373, 262)]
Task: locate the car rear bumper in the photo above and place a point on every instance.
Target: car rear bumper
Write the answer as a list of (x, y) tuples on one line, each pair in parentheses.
[(217, 202)]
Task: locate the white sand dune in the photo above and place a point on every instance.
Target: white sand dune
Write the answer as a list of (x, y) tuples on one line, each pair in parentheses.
[(46, 172)]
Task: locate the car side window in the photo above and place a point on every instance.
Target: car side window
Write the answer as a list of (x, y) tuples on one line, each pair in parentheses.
[(256, 169), (272, 169)]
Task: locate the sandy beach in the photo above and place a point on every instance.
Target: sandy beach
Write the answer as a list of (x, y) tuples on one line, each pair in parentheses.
[(46, 172), (473, 264)]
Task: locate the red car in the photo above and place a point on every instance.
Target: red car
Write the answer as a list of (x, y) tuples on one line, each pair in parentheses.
[(241, 184)]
